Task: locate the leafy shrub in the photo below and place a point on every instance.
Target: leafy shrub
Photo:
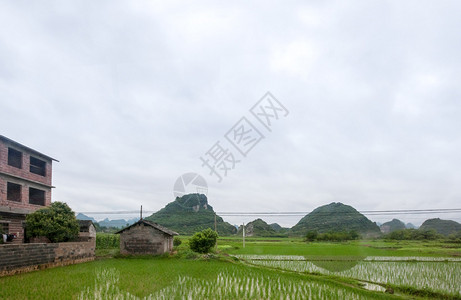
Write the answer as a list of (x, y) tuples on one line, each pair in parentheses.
[(56, 222), (413, 234), (203, 241), (333, 236), (455, 237), (311, 236), (176, 241), (339, 236)]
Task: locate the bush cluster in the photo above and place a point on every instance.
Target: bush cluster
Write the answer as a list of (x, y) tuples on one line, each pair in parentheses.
[(203, 241), (455, 237), (413, 234), (332, 236), (176, 241), (107, 241)]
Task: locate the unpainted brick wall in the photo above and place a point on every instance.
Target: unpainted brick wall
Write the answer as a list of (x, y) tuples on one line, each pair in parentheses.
[(25, 185), (27, 180), (141, 239), (24, 172)]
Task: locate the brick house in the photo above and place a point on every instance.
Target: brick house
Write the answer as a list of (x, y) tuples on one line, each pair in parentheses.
[(25, 185), (145, 237)]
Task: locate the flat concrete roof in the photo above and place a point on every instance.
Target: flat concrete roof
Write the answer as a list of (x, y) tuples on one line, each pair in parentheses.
[(26, 148), (15, 210)]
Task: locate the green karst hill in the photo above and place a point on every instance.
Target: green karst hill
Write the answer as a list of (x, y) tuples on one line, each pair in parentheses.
[(279, 229), (444, 227), (391, 226), (336, 217), (259, 228), (410, 226), (189, 214), (276, 226)]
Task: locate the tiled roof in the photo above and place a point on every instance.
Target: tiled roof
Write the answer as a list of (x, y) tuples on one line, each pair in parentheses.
[(151, 224)]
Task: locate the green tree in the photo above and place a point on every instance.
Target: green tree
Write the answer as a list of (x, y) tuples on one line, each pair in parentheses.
[(176, 241), (311, 235), (354, 235), (203, 241), (413, 234), (57, 222)]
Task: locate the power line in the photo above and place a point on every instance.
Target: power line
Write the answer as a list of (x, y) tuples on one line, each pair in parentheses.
[(119, 212), (365, 212), (298, 213)]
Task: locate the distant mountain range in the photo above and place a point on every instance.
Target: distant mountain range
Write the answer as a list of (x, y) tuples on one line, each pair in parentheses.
[(81, 216), (394, 225), (119, 223), (191, 213)]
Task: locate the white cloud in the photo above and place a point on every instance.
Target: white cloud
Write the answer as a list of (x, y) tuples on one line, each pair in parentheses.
[(296, 58), (129, 95)]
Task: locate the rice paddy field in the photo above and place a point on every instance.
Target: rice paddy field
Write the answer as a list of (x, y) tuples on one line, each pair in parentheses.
[(173, 278), (264, 269), (442, 276)]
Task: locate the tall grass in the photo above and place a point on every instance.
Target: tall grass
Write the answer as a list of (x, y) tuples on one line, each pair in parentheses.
[(107, 240)]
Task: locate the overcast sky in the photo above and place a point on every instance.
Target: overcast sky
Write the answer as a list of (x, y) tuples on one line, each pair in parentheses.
[(128, 95)]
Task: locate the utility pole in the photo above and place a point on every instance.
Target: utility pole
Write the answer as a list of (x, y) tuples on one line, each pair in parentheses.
[(216, 230), (243, 234), (141, 213)]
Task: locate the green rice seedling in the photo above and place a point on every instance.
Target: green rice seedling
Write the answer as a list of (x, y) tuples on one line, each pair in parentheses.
[(226, 285), (437, 274)]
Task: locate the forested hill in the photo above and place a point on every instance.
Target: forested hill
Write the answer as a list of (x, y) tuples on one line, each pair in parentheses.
[(189, 214), (259, 228), (444, 227), (391, 226), (336, 217)]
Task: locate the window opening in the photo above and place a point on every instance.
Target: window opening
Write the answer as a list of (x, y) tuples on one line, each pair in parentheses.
[(36, 196), (14, 158)]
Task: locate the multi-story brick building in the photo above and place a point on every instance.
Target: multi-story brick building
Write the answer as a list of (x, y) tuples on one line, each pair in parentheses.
[(25, 185)]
